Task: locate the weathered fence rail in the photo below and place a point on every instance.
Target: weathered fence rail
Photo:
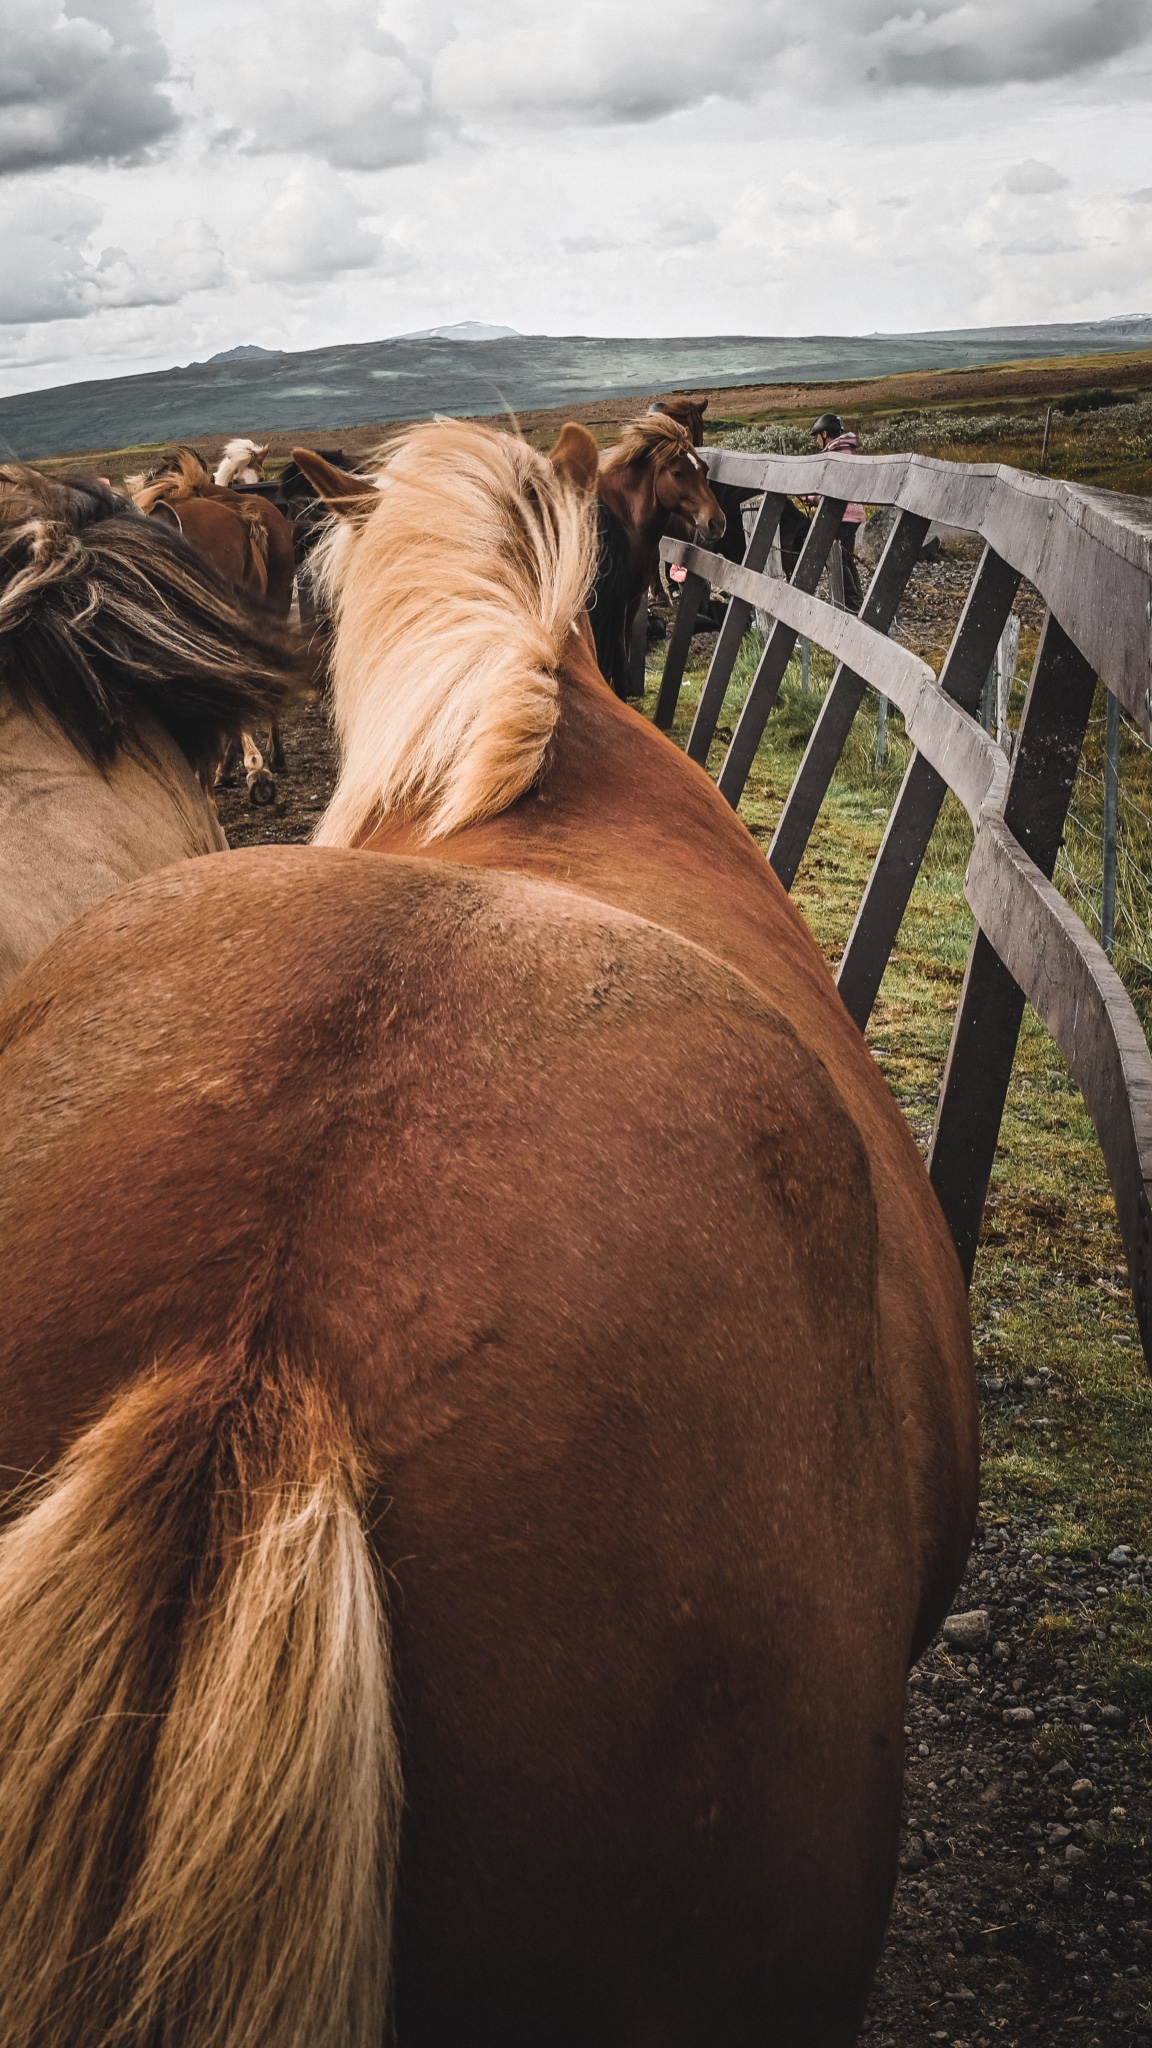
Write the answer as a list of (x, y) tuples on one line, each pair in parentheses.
[(1089, 555)]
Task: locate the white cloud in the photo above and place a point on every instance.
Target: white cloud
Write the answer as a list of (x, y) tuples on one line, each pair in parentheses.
[(953, 45), (1033, 176), (50, 271), (583, 62), (80, 84), (310, 228), (339, 80), (361, 167), (189, 259)]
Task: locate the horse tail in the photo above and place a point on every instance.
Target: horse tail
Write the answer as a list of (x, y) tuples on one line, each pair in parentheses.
[(199, 1789)]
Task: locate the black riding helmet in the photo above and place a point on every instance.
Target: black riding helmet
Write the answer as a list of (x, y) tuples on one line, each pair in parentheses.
[(828, 423)]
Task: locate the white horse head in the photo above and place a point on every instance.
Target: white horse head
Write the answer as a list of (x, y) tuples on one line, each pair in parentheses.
[(241, 463)]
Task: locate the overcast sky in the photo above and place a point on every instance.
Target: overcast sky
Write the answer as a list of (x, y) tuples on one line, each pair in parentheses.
[(177, 176)]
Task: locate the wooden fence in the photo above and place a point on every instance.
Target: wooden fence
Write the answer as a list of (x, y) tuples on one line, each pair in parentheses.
[(1089, 555)]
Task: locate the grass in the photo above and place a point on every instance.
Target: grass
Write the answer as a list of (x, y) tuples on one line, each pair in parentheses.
[(1067, 1405), (1107, 445)]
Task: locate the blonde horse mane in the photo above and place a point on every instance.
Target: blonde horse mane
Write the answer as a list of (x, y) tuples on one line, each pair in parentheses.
[(655, 437), (241, 461), (454, 594), (180, 474)]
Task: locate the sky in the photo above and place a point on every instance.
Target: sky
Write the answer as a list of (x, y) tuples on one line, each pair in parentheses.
[(180, 176)]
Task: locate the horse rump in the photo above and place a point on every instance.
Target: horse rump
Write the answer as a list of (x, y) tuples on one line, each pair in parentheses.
[(198, 1777)]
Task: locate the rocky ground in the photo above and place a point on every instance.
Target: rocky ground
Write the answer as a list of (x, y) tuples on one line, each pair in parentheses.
[(1024, 1904), (1024, 1907)]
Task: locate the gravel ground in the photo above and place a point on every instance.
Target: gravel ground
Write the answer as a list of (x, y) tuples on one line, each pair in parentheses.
[(1024, 1908), (1024, 1904)]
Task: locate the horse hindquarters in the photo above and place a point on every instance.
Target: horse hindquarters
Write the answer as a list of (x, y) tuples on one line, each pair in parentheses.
[(648, 1514), (198, 1791)]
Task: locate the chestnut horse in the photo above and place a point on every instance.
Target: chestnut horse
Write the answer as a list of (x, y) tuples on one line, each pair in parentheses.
[(534, 1257), (126, 667), (247, 540), (647, 479)]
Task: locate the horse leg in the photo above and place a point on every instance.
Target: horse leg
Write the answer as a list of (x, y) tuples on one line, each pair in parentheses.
[(226, 771), (276, 747), (261, 788)]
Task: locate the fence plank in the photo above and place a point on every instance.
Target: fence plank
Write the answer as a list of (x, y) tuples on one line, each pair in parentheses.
[(765, 685), (843, 701), (917, 807), (736, 620), (983, 1047), (693, 593)]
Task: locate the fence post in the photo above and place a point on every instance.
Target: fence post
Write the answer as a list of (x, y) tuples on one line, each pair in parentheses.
[(917, 807), (881, 729), (1007, 653), (842, 701), (836, 575), (988, 696), (1111, 797), (731, 634), (971, 1103)]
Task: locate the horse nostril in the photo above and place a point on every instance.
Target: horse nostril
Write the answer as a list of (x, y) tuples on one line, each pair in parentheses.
[(716, 527)]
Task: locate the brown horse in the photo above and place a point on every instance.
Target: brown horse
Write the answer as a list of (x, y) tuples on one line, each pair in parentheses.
[(689, 411), (535, 1248), (646, 481), (247, 541)]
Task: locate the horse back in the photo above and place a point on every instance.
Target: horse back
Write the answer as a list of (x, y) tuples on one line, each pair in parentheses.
[(622, 816)]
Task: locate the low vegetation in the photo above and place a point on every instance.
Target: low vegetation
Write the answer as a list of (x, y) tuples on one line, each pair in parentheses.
[(1066, 1397), (1100, 437)]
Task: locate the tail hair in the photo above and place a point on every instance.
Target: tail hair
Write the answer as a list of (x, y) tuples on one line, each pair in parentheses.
[(199, 1785)]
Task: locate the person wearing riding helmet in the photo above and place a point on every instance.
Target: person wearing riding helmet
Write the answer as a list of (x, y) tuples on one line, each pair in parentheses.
[(830, 438)]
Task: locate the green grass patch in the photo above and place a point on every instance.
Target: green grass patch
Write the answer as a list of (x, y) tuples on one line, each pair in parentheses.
[(1067, 1408)]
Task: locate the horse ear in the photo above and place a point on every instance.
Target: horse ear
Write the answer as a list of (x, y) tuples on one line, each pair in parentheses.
[(703, 405), (576, 456), (341, 491)]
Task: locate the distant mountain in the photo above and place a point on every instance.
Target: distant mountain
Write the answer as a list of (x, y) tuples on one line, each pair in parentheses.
[(364, 383), (460, 330), (246, 353)]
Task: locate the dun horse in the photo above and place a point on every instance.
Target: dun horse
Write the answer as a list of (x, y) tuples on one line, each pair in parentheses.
[(126, 667), (500, 1390)]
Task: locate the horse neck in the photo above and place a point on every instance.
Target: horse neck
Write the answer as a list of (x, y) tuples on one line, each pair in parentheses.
[(72, 831), (622, 816), (630, 492)]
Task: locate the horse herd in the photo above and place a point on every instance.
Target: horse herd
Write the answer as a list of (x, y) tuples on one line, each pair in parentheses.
[(486, 1385)]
